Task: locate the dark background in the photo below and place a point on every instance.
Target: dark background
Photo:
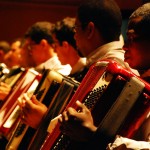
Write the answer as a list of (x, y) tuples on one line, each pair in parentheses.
[(17, 15)]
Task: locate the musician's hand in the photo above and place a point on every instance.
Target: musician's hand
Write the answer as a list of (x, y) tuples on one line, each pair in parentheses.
[(4, 90), (77, 125), (32, 110)]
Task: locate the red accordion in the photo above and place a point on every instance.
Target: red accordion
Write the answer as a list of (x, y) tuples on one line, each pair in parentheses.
[(9, 112), (118, 99), (53, 89)]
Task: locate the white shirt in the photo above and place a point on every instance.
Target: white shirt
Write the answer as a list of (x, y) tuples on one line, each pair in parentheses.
[(79, 65), (54, 64), (128, 144), (109, 50)]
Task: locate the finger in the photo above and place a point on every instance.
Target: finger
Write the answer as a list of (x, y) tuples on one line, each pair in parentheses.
[(81, 106), (65, 116), (4, 89), (4, 84), (34, 100), (60, 119), (28, 103), (22, 99), (29, 94), (21, 102), (27, 98), (79, 114), (71, 113)]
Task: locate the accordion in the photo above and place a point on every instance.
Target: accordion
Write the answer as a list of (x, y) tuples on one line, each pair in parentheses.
[(118, 100), (51, 86), (11, 78), (61, 98), (27, 81)]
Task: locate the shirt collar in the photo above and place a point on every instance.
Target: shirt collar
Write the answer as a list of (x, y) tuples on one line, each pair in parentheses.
[(112, 49)]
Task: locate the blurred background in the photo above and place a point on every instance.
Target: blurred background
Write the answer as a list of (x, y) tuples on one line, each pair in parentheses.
[(17, 15)]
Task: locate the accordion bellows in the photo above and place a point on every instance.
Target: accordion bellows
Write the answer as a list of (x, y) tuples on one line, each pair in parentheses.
[(114, 95)]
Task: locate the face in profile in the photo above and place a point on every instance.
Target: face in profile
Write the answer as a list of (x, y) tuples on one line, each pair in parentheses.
[(13, 57), (137, 51), (31, 53), (81, 38), (137, 47)]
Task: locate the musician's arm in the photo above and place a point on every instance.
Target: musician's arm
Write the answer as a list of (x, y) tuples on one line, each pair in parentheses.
[(101, 141), (143, 133), (121, 143), (33, 111), (78, 125)]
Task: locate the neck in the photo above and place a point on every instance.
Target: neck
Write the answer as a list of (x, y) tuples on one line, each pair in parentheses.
[(72, 53), (50, 53), (74, 61)]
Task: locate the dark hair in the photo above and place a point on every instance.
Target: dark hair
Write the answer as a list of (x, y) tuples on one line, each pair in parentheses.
[(39, 31), (106, 16), (64, 31), (142, 25)]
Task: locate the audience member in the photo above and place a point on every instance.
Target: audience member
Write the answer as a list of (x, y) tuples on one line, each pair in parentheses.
[(137, 55)]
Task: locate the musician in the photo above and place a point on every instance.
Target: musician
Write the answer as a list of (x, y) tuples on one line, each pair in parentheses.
[(65, 45), (13, 58), (79, 125), (138, 52), (4, 49), (97, 37), (39, 50), (36, 50)]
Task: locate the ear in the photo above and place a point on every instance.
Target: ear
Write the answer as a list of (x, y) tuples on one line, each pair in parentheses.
[(43, 43), (90, 30), (65, 44)]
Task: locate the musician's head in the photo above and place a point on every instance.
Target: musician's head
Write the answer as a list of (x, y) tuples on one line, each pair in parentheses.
[(138, 34), (38, 44), (98, 22), (13, 58), (65, 44)]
